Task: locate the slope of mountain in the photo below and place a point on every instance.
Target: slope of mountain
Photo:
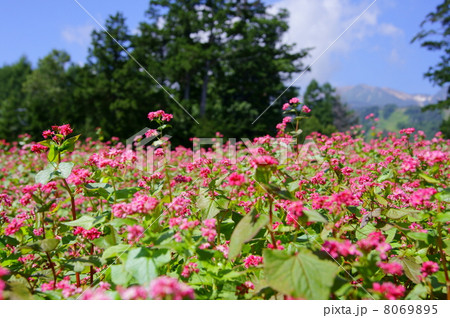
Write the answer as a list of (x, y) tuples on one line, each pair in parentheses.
[(359, 96)]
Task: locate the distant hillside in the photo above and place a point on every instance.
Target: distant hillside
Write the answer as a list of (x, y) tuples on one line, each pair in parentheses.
[(360, 96)]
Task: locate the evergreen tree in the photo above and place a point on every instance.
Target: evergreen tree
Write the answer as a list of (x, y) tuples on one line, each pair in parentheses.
[(12, 97), (225, 59), (48, 96), (437, 38), (328, 113)]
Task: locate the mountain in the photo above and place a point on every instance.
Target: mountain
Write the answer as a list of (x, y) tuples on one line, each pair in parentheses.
[(360, 96)]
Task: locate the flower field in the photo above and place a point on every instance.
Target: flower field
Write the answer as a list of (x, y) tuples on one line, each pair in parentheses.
[(343, 218)]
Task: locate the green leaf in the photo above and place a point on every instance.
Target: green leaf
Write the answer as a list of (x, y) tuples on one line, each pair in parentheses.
[(98, 190), (443, 196), (302, 275), (120, 276), (46, 143), (396, 214), (119, 222), (262, 175), (280, 193), (44, 176), (209, 207), (69, 144), (411, 268), (246, 229), (65, 169), (49, 245), (429, 179), (126, 193), (447, 246), (386, 175), (86, 221), (362, 233), (418, 292), (314, 216), (52, 154), (443, 217), (115, 251), (419, 236), (80, 263), (140, 264), (381, 200), (49, 173)]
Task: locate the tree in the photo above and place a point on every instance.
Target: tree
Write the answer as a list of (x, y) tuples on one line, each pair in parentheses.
[(115, 88), (48, 97), (12, 97), (328, 113), (225, 60), (438, 39)]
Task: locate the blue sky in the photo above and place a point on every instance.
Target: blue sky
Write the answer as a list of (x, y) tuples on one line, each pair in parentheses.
[(376, 50)]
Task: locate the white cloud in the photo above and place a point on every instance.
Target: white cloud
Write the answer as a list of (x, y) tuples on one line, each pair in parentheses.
[(80, 34), (395, 58), (389, 29), (318, 23)]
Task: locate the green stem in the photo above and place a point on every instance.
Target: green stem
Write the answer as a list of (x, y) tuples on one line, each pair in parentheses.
[(72, 199), (52, 267), (444, 260), (272, 235)]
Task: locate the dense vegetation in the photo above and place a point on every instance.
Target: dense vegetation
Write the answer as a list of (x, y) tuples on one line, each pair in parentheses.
[(199, 58), (336, 218)]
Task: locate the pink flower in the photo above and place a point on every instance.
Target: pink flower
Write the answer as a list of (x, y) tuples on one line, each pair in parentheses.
[(279, 246), (38, 148), (295, 211), (306, 109), (65, 130), (263, 161), (335, 248), (133, 293), (244, 288), (210, 223), (189, 269), (160, 114), (151, 133), (3, 271), (252, 261), (408, 131), (347, 171), (236, 179), (47, 133), (286, 106), (421, 196), (169, 288), (392, 268), (389, 290), (223, 248), (210, 234), (95, 294), (134, 232), (91, 234), (14, 226), (375, 240), (294, 100), (79, 176), (371, 115), (428, 268)]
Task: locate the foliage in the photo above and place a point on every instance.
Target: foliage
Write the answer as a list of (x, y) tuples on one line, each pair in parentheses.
[(96, 220), (436, 38), (203, 55), (329, 114)]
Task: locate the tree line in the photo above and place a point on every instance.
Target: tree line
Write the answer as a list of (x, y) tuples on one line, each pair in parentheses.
[(222, 61)]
